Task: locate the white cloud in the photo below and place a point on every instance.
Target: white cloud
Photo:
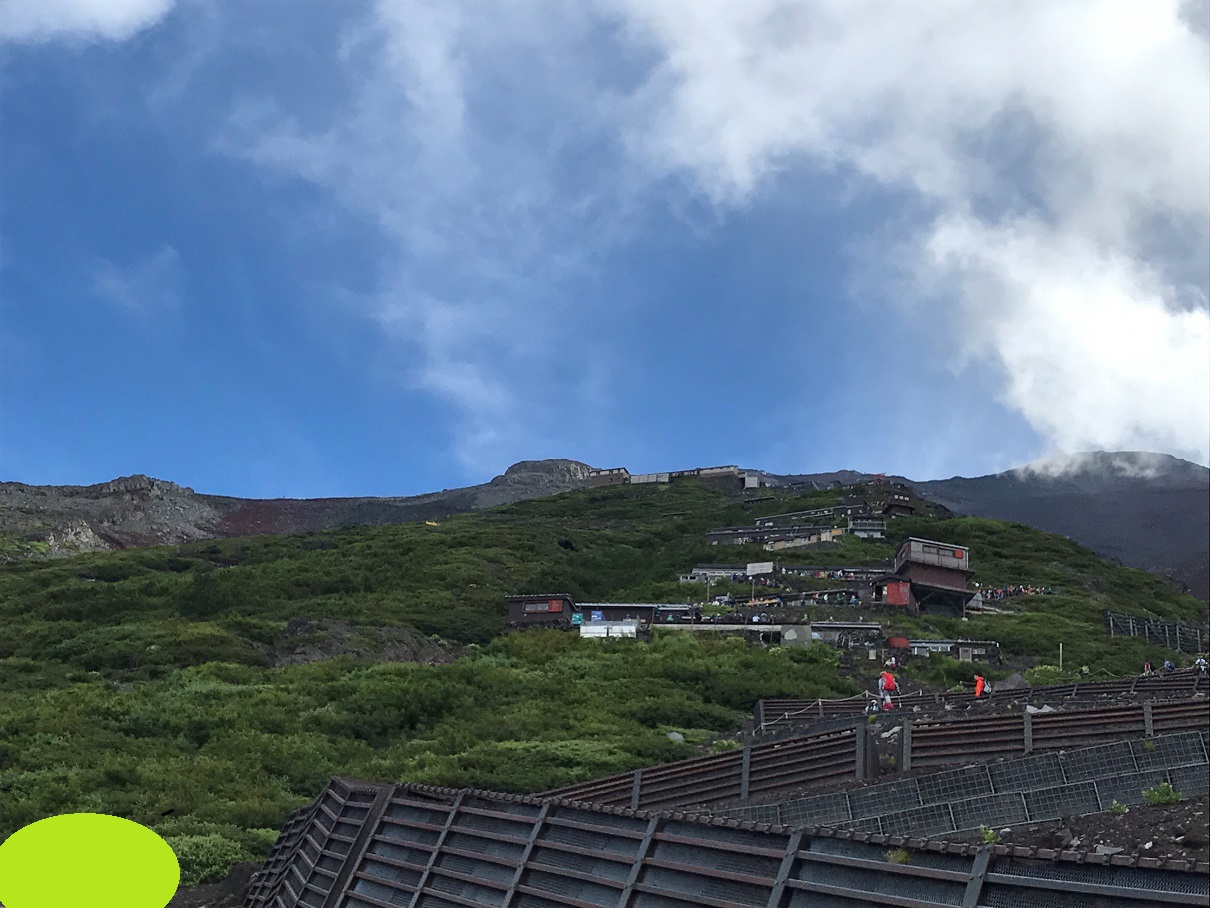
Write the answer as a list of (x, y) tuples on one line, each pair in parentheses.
[(1053, 142), (466, 139), (1058, 150), (49, 20), (1131, 464), (1093, 351), (151, 285)]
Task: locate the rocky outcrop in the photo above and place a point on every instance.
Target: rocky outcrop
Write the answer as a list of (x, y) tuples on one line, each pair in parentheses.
[(316, 640), (134, 511)]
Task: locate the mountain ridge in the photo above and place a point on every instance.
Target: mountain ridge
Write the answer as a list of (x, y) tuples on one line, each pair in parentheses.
[(1143, 509)]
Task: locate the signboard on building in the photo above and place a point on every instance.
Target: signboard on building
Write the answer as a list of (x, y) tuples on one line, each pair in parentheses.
[(577, 618), (610, 629), (597, 616), (759, 567)]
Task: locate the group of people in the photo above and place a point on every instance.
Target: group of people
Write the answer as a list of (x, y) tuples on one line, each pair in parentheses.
[(887, 684), (1009, 590), (1169, 666)]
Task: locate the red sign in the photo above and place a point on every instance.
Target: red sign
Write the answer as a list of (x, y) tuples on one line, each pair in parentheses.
[(554, 605), (898, 592)]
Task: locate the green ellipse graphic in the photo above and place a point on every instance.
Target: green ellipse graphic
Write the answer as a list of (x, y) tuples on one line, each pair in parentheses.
[(87, 859)]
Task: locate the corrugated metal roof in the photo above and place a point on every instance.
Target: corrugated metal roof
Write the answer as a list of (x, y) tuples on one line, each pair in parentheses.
[(424, 846)]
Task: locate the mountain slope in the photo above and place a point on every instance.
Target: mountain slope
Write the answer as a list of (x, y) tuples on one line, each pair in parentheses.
[(137, 511), (1149, 511)]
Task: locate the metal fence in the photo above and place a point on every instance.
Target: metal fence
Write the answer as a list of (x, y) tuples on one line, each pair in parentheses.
[(852, 753), (1185, 638), (1028, 790), (940, 742), (439, 848), (773, 716), (754, 769)]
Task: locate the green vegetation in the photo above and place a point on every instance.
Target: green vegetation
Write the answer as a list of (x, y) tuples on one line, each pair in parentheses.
[(988, 836), (1161, 794), (1118, 807), (899, 856), (141, 683), (230, 749)]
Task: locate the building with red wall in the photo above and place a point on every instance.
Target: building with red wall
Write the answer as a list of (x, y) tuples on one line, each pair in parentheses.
[(928, 576)]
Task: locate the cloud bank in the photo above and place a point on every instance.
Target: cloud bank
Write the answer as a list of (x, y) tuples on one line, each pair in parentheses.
[(1051, 156), (49, 20), (1060, 148)]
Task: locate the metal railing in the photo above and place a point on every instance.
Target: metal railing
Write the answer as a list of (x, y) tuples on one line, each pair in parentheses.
[(778, 714)]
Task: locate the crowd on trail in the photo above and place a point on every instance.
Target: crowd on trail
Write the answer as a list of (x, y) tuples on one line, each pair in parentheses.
[(887, 686), (1169, 666), (825, 575), (1013, 589), (760, 581)]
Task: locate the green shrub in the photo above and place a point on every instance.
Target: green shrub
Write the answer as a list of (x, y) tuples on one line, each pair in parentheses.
[(1117, 807), (899, 856), (1044, 675), (1161, 794), (988, 836), (205, 858)]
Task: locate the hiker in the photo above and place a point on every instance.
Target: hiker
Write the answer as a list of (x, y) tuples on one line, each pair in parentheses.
[(886, 686), (1147, 667), (1200, 663), (1168, 666), (979, 684)]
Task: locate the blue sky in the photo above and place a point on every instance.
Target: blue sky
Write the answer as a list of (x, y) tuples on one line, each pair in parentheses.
[(385, 248)]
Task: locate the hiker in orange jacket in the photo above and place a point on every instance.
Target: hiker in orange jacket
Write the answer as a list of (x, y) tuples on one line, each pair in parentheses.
[(886, 686), (979, 685)]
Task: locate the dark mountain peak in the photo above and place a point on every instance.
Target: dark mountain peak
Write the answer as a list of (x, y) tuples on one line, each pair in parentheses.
[(1146, 510), (1110, 466)]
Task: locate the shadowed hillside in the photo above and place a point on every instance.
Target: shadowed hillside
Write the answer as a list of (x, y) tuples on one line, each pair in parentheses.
[(1145, 510)]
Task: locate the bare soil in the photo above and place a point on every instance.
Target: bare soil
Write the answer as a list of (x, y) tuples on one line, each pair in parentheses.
[(1174, 832)]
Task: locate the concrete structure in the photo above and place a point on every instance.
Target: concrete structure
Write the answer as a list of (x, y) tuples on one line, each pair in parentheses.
[(540, 610), (773, 538), (807, 538), (612, 477), (870, 527), (848, 634), (962, 650), (898, 504), (559, 610), (639, 478)]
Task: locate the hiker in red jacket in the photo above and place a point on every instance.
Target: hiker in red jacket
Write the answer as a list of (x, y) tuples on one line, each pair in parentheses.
[(886, 686)]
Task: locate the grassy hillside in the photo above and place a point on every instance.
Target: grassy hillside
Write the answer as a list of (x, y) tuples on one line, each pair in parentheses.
[(137, 683)]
